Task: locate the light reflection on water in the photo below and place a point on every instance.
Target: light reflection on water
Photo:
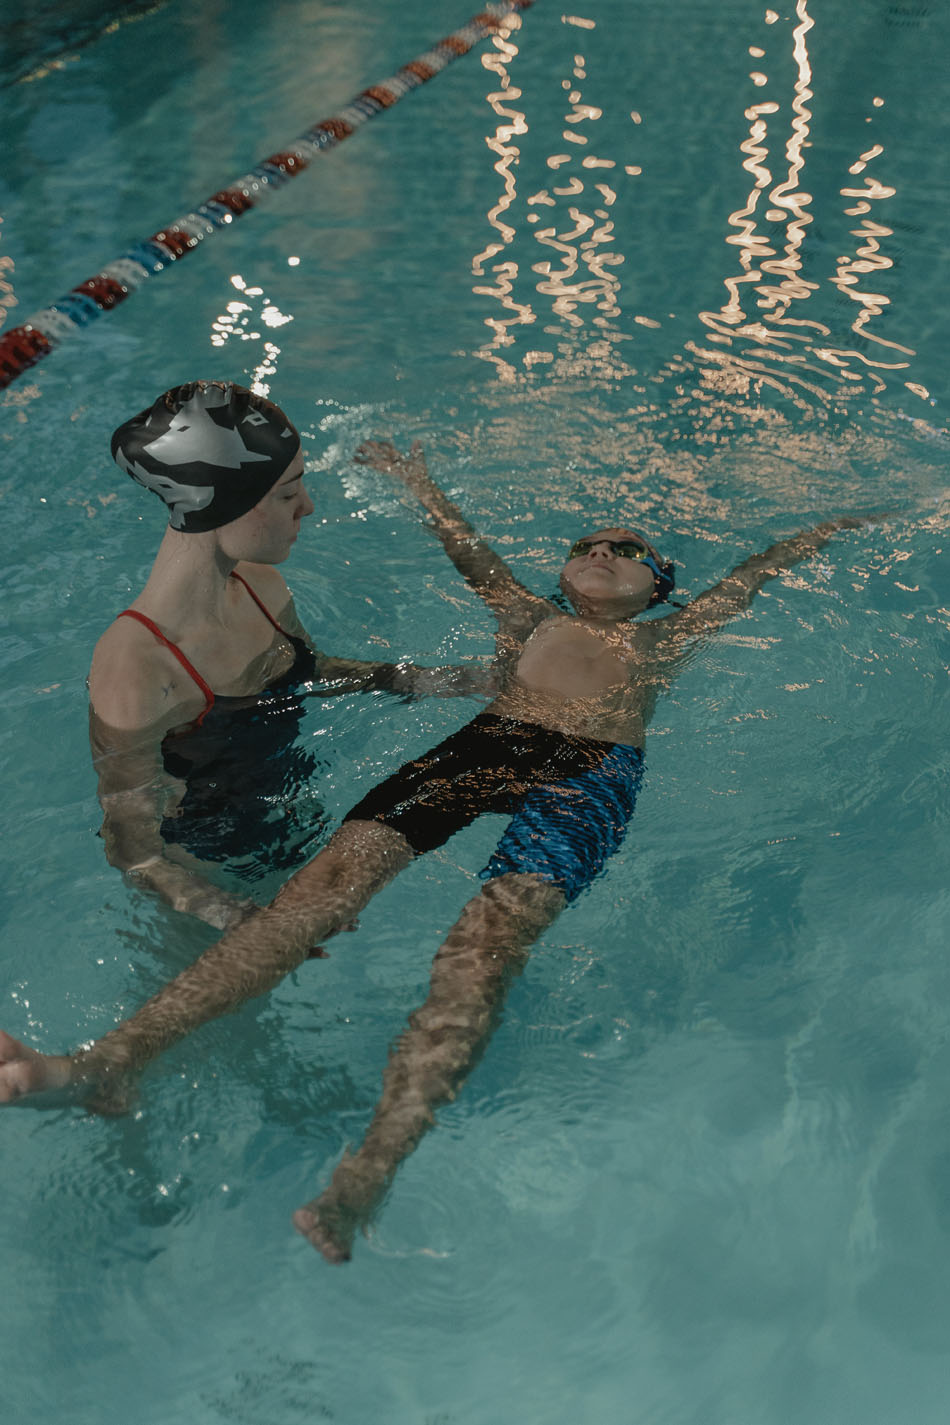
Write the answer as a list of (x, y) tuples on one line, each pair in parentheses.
[(780, 328)]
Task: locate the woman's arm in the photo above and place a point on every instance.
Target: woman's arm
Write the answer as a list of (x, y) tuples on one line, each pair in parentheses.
[(135, 700), (403, 679), (475, 560), (406, 680), (135, 794)]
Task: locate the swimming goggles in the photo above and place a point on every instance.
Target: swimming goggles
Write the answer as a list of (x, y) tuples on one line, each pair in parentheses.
[(625, 548)]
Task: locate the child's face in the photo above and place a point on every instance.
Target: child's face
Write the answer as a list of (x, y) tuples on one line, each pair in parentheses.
[(599, 579)]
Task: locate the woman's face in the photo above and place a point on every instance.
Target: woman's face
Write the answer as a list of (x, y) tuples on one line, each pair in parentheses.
[(266, 534)]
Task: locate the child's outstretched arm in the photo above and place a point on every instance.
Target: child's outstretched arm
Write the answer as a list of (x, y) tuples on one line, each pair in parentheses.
[(710, 610), (475, 560)]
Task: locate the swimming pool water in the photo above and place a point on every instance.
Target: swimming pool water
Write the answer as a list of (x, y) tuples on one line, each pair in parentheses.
[(701, 1174)]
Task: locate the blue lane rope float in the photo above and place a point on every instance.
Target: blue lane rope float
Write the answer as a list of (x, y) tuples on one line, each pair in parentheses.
[(23, 346)]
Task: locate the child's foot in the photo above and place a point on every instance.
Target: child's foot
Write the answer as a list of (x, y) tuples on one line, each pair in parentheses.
[(52, 1080), (334, 1242), (329, 1223), (25, 1072)]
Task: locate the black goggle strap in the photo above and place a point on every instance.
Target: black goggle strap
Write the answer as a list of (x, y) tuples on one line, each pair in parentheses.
[(664, 578)]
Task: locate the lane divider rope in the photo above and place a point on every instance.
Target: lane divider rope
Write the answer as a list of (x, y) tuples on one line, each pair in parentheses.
[(23, 346)]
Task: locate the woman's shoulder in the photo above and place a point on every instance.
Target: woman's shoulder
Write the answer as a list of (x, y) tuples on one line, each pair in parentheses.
[(136, 681), (272, 590), (268, 584)]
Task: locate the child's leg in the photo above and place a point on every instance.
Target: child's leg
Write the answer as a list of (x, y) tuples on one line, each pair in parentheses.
[(248, 961), (470, 975)]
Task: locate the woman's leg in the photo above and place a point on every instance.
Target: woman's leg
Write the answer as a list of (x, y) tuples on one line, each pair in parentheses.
[(250, 960), (486, 947)]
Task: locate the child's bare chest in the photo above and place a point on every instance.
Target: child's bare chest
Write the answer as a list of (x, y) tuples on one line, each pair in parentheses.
[(567, 657)]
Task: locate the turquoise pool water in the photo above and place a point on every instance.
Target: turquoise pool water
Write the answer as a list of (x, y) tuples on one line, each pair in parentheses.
[(701, 1175)]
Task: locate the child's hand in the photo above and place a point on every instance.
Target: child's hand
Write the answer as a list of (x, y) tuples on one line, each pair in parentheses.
[(383, 455), (853, 521)]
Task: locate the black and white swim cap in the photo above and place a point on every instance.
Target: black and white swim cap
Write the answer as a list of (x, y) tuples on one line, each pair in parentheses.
[(211, 450)]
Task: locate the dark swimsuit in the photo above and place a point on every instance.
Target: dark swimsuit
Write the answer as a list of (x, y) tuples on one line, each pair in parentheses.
[(569, 798), (248, 783)]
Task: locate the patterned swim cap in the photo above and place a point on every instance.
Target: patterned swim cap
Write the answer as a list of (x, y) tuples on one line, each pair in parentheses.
[(211, 450)]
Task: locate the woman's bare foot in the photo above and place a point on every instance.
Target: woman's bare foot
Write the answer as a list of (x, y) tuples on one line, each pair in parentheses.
[(25, 1072)]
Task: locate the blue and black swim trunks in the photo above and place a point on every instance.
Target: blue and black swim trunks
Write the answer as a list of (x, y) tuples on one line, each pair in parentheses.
[(570, 798)]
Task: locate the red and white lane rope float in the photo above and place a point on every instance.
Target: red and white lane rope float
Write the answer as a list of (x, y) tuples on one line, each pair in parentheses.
[(23, 346)]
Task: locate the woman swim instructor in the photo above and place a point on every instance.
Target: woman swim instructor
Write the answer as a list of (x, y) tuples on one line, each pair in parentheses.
[(195, 689)]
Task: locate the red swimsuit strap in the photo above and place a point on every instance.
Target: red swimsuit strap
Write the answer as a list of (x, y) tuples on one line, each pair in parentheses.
[(263, 607), (189, 668)]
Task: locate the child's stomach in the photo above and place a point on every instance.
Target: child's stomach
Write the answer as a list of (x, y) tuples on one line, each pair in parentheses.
[(614, 714)]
